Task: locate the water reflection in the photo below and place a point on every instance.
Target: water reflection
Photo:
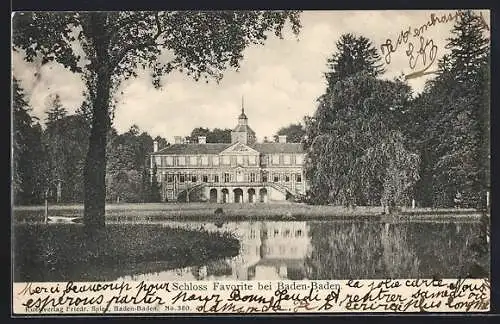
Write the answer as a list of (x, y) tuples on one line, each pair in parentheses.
[(337, 250), (269, 250)]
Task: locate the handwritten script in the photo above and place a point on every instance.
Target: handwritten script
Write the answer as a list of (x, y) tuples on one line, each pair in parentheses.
[(408, 295), (420, 51)]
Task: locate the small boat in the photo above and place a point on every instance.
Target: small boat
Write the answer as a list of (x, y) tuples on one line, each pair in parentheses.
[(61, 219)]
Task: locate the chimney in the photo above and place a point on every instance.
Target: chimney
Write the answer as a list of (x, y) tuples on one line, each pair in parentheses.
[(202, 140), (282, 138), (155, 146), (177, 139)]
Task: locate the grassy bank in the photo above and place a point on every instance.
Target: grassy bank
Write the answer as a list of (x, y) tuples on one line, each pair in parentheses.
[(58, 252), (206, 211)]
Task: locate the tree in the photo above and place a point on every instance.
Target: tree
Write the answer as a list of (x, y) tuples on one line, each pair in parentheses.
[(216, 135), (155, 186), (66, 143), (354, 55), (203, 44), (22, 125), (55, 111), (452, 114), (358, 155), (294, 133), (54, 142), (195, 133), (28, 155), (468, 46), (162, 142)]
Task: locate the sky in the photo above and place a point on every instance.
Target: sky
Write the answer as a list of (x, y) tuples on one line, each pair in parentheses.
[(279, 81)]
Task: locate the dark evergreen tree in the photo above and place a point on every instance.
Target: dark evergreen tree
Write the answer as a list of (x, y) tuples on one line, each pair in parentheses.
[(452, 129), (54, 145), (21, 127), (28, 156), (354, 54)]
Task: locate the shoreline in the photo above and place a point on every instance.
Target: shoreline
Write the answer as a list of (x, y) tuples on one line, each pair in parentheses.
[(243, 212)]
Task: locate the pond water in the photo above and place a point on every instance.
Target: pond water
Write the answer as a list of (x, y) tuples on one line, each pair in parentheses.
[(327, 250)]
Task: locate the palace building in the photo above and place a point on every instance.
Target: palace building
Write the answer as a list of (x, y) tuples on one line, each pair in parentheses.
[(236, 172)]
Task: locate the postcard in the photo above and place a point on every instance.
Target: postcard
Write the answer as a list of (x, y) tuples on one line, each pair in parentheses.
[(236, 162)]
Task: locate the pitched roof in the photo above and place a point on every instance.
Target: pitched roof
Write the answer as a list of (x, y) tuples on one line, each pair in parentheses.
[(209, 148), (216, 148), (268, 148)]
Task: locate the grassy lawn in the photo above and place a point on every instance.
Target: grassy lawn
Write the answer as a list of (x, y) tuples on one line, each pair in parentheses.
[(63, 252), (205, 211)]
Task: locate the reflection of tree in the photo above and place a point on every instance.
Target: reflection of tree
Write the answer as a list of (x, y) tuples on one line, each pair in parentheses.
[(446, 249), (219, 268), (343, 251), (406, 250), (399, 259)]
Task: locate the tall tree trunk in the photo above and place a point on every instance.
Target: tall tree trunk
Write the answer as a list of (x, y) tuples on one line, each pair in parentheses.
[(95, 164)]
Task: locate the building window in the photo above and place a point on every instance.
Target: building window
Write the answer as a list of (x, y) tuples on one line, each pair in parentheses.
[(182, 160), (169, 161), (252, 160), (298, 233), (276, 232), (298, 177), (264, 177), (252, 177), (286, 233), (182, 178), (193, 178), (205, 178), (239, 159), (276, 178), (287, 178), (215, 160), (226, 160), (204, 160), (158, 161), (216, 178), (192, 160), (299, 159), (170, 178), (276, 158), (286, 159), (226, 177)]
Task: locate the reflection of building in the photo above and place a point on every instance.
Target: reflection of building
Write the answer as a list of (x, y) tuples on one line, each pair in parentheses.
[(240, 171), (269, 250), (272, 250)]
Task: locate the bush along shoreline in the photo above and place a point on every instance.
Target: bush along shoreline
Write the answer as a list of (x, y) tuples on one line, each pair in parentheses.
[(238, 212), (62, 252)]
